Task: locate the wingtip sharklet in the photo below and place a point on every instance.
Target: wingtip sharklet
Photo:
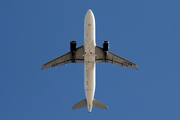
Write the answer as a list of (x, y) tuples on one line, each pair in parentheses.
[(42, 68), (136, 67)]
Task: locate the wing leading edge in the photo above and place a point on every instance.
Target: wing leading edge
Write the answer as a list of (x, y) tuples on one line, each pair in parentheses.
[(66, 58), (112, 58)]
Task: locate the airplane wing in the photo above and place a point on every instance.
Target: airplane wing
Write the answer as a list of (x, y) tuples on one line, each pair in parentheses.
[(112, 58), (66, 58)]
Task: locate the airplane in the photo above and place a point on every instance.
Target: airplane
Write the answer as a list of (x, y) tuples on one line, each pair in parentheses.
[(89, 54)]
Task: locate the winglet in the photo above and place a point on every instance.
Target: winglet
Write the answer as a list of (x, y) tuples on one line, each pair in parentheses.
[(136, 67)]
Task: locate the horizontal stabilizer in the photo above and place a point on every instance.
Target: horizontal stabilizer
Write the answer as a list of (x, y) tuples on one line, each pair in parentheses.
[(81, 104), (98, 104)]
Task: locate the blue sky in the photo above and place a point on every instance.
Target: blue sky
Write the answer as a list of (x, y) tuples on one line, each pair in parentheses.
[(33, 32)]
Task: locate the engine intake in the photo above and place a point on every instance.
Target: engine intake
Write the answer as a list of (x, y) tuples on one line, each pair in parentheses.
[(105, 48), (73, 47), (105, 45)]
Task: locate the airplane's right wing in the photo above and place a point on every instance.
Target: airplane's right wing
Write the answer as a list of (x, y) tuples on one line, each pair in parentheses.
[(112, 58)]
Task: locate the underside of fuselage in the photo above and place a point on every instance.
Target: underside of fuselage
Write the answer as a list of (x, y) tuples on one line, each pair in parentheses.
[(89, 65), (89, 58)]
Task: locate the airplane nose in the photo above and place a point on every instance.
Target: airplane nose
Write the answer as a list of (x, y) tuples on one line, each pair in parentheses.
[(90, 11), (89, 18)]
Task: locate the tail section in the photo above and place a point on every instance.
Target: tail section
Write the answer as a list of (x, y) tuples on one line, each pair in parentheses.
[(83, 104), (98, 104)]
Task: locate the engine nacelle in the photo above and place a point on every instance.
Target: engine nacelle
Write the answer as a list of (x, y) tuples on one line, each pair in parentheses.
[(106, 47), (73, 47)]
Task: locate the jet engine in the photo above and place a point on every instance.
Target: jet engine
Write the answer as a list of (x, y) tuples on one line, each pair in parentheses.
[(73, 47), (106, 47)]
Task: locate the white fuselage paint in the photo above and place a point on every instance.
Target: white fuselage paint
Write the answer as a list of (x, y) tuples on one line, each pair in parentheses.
[(89, 58)]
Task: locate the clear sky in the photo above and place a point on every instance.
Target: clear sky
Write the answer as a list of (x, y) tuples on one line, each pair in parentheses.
[(33, 32)]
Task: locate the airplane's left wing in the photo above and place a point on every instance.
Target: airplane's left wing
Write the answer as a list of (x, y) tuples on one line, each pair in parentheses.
[(112, 58), (66, 58)]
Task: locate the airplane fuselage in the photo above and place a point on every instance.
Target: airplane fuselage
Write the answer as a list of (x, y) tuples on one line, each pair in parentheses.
[(89, 58)]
